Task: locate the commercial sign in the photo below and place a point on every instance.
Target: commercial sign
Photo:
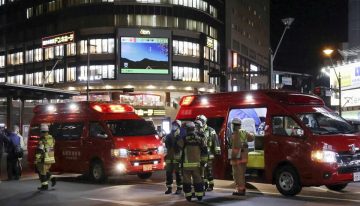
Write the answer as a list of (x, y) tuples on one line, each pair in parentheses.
[(59, 39), (210, 42), (349, 74), (150, 112), (349, 98), (286, 80), (144, 32)]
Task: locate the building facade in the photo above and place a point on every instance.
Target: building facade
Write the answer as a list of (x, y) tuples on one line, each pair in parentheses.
[(159, 49), (248, 44)]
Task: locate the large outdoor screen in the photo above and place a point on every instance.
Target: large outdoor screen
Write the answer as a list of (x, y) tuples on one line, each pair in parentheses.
[(141, 55)]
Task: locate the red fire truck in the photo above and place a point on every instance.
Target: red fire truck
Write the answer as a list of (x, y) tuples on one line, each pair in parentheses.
[(298, 140), (99, 139)]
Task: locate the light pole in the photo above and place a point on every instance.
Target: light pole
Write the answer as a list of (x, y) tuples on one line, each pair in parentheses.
[(287, 22), (52, 69), (88, 69), (328, 53)]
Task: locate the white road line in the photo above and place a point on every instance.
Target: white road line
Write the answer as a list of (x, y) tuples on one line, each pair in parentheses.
[(327, 190), (116, 201)]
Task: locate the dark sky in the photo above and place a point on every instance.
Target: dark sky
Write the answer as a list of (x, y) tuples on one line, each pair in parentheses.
[(318, 23)]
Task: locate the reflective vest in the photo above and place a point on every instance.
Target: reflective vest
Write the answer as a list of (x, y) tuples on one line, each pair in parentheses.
[(194, 150), (172, 150), (45, 150)]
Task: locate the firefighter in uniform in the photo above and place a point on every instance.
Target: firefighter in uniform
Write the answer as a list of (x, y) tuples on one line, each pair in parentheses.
[(172, 158), (193, 148), (213, 148), (44, 157), (239, 155)]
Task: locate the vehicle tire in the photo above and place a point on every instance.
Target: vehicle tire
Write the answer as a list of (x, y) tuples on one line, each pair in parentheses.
[(97, 172), (338, 187), (144, 176), (288, 181)]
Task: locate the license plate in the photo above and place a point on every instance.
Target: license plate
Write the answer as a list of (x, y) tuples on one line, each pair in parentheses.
[(147, 168), (356, 176)]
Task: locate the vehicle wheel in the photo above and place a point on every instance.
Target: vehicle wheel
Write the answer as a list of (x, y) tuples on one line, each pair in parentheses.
[(338, 187), (144, 176), (97, 172), (287, 181)]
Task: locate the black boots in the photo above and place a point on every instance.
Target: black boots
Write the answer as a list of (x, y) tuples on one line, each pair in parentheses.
[(43, 187), (53, 181), (168, 191), (239, 193), (178, 191)]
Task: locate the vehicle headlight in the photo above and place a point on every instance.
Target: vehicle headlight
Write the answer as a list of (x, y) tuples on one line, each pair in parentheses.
[(119, 152), (324, 156), (161, 150)]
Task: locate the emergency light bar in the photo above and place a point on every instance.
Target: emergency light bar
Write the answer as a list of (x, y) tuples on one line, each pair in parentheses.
[(112, 108), (187, 100)]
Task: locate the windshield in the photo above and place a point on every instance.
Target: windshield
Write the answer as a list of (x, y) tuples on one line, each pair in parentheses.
[(326, 123), (133, 127)]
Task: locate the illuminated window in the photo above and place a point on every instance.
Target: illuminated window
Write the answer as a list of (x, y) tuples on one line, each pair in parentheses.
[(49, 77), (29, 13), (29, 80), (38, 78), (206, 76), (2, 61), (2, 79), (188, 74), (39, 10), (59, 75), (49, 53), (29, 56), (2, 2), (97, 72), (186, 48), (59, 50), (71, 49), (83, 46), (71, 74), (15, 58), (38, 55)]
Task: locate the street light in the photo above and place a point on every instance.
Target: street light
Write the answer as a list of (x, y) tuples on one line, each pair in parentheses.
[(88, 69), (328, 52), (52, 69), (287, 22)]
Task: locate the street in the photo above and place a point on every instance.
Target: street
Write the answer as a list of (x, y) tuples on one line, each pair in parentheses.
[(130, 190)]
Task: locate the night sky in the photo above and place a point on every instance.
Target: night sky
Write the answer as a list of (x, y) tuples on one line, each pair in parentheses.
[(318, 23)]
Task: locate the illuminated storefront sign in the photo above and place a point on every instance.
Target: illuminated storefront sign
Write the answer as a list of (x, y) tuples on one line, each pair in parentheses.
[(59, 39), (350, 76), (349, 98), (144, 32), (209, 42), (150, 112)]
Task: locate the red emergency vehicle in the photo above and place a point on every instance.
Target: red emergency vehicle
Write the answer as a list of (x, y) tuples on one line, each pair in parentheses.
[(298, 140), (99, 139)]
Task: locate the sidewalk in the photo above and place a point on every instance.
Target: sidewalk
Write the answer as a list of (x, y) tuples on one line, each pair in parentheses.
[(26, 172)]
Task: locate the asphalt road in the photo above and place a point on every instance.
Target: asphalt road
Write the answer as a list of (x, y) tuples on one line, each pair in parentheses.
[(130, 190)]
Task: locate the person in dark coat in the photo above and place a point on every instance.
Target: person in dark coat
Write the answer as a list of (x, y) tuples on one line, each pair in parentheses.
[(13, 169), (3, 138)]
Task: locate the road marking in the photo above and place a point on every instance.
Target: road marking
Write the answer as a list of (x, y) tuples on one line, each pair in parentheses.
[(116, 202), (327, 190)]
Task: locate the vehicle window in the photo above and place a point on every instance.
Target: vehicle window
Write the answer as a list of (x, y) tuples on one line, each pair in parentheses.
[(66, 131), (96, 130), (325, 123), (284, 126), (252, 120), (130, 127)]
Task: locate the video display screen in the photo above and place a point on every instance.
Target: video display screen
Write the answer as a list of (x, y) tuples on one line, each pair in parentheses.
[(141, 55)]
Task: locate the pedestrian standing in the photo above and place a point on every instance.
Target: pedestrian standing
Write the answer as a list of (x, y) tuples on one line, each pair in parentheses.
[(193, 149), (44, 157), (14, 152), (22, 145), (172, 158), (2, 142), (239, 155), (213, 148)]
